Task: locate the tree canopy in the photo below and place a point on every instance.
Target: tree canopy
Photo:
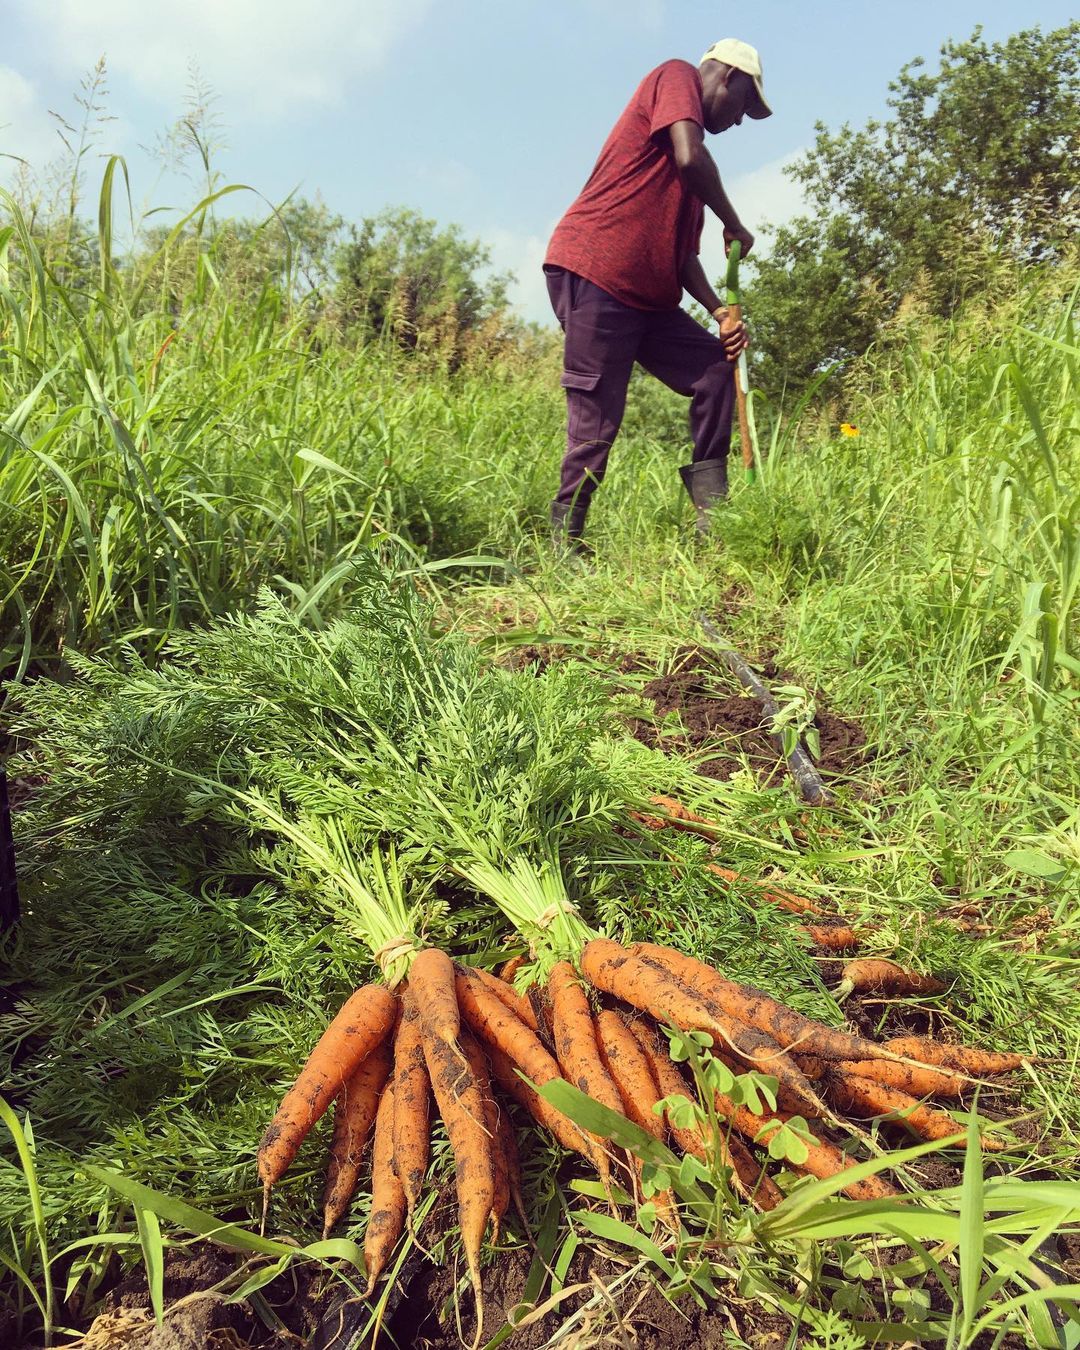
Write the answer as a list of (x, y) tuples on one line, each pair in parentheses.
[(978, 161), (404, 278)]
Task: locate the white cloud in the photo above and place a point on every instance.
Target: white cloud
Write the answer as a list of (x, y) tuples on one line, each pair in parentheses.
[(763, 196), (522, 254), (767, 194), (266, 58), (26, 130)]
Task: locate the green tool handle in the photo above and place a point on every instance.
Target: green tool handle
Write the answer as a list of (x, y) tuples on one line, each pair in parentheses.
[(731, 280)]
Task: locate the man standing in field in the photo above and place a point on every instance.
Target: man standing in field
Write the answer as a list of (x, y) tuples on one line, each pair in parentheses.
[(620, 259)]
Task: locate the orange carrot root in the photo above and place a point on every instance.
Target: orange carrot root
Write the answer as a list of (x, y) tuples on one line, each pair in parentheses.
[(824, 1159), (354, 1118), (910, 1078), (366, 1018), (500, 1179), (431, 979), (786, 900), (832, 937), (959, 1058), (461, 1105), (510, 968), (873, 975), (576, 1039), (520, 1007), (785, 1026), (628, 1066), (864, 1097), (412, 1104), (654, 989), (505, 1072), (386, 1222)]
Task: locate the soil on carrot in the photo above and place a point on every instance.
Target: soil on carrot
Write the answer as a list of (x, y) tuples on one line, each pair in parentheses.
[(725, 728)]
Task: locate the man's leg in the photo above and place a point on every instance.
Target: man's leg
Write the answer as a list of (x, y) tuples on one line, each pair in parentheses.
[(692, 361), (602, 337)]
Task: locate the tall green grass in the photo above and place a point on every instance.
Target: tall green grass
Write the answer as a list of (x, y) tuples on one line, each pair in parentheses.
[(172, 441)]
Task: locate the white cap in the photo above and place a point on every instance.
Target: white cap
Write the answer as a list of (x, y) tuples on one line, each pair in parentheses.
[(742, 56)]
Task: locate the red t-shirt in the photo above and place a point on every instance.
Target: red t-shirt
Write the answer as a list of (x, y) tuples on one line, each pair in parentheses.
[(634, 225)]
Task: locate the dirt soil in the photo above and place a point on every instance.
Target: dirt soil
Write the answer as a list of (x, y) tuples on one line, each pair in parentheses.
[(724, 727), (423, 1316), (637, 1317), (713, 721)]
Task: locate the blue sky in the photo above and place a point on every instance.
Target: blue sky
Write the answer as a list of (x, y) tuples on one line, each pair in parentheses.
[(487, 113)]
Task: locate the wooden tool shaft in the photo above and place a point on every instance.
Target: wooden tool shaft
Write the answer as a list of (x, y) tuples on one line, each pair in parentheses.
[(735, 316)]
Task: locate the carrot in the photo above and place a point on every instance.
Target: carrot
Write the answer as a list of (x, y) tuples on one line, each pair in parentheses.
[(814, 1066), (461, 1105), (510, 968), (746, 1178), (911, 1078), (386, 1222), (354, 1117), (521, 1007), (679, 817), (366, 1018), (873, 975), (824, 1159), (832, 937), (864, 1097), (959, 1058), (493, 1022), (785, 1026), (575, 1038), (793, 904), (562, 1127), (512, 1159), (625, 1061), (412, 1104), (750, 1178), (511, 1046), (500, 1181), (656, 990), (669, 1083), (431, 979)]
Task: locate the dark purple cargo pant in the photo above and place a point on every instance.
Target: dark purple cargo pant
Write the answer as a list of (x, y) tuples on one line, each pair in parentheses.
[(604, 338)]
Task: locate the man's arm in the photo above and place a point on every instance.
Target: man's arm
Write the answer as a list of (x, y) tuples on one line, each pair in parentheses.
[(699, 174), (697, 283), (694, 280)]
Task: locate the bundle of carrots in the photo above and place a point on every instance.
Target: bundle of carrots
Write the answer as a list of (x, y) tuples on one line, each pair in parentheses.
[(454, 1029), (380, 1061)]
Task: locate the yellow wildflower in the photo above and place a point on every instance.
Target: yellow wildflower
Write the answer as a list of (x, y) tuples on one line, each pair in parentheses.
[(846, 429)]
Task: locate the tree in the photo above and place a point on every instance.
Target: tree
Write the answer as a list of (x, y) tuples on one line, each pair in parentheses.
[(978, 162), (403, 278)]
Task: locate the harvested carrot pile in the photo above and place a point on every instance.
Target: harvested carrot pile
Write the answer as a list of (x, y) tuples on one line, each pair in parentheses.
[(453, 1030)]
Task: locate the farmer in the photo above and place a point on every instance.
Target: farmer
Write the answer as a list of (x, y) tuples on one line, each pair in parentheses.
[(622, 256)]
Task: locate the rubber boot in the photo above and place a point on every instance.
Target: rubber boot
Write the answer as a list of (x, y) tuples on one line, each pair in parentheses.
[(568, 525), (707, 484)]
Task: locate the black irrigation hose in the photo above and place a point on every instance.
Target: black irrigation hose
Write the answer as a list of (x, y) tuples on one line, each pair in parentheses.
[(801, 766), (343, 1327), (9, 888)]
